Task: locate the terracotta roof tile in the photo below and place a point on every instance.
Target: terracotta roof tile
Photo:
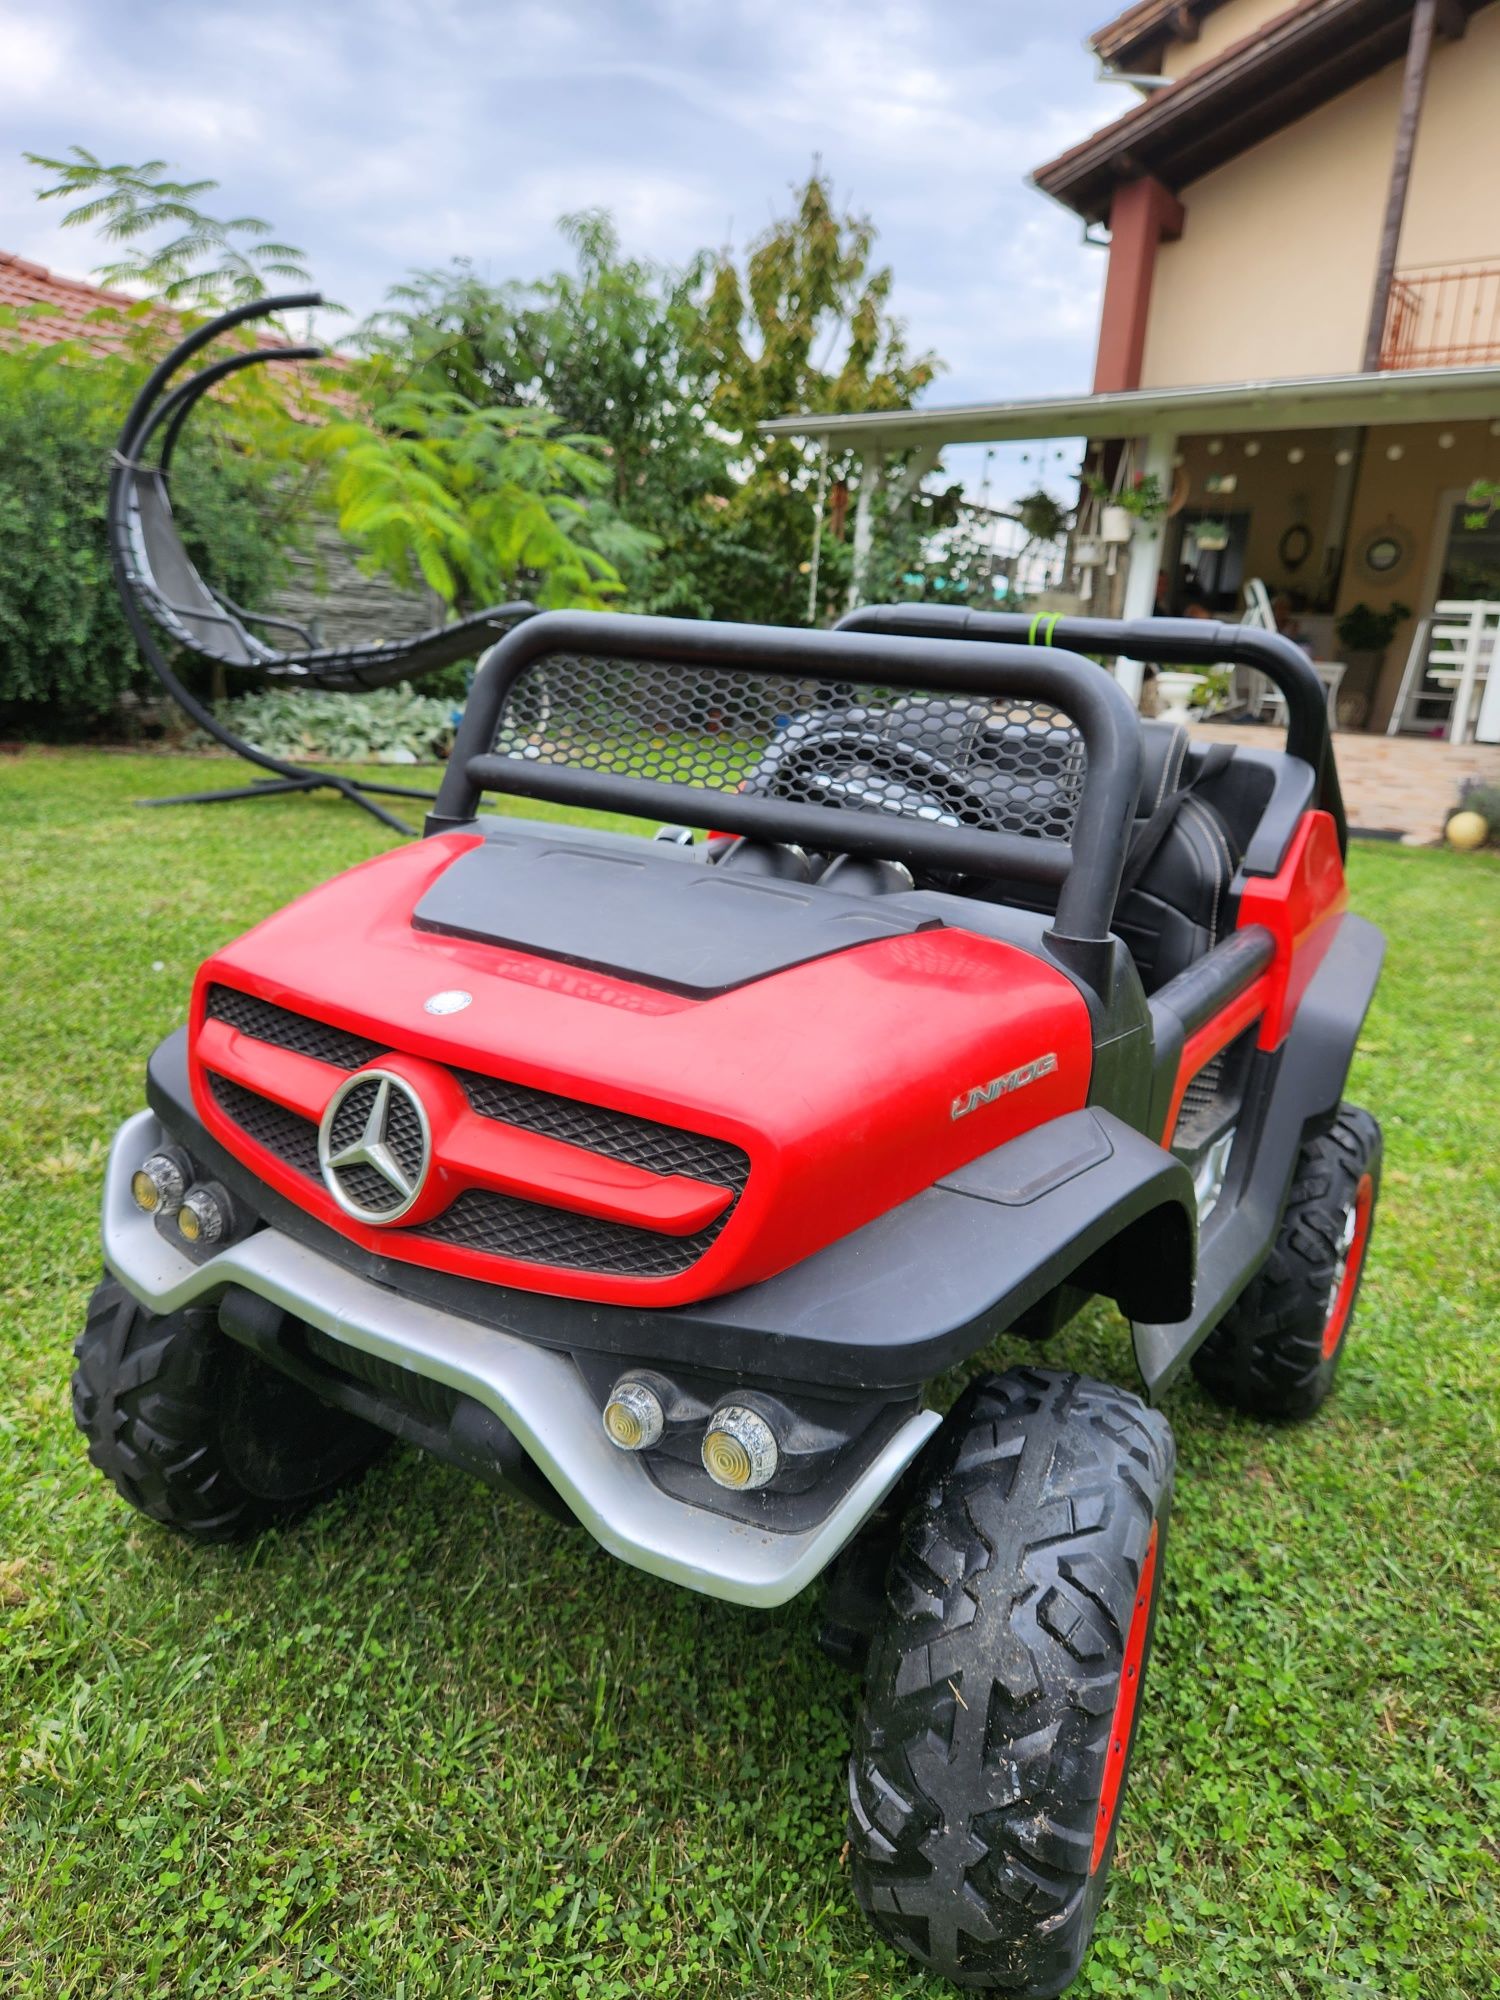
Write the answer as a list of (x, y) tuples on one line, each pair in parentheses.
[(65, 306)]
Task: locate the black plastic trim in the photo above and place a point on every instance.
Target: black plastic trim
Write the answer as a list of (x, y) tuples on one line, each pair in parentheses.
[(1302, 1082), (638, 912)]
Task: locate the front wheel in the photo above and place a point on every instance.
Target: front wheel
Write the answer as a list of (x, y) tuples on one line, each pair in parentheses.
[(1000, 1711), (1275, 1352), (197, 1433)]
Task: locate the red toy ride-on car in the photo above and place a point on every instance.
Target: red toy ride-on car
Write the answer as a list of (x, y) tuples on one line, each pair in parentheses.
[(653, 1179)]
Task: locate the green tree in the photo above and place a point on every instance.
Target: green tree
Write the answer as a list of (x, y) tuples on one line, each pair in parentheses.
[(480, 504), (613, 348), (175, 254)]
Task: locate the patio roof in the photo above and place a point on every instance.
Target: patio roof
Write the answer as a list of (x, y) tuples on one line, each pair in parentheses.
[(1314, 402)]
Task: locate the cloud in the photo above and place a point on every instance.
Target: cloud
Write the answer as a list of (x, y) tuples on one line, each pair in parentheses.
[(406, 132)]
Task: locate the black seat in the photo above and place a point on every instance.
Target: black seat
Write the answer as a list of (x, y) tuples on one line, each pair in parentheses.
[(1179, 908)]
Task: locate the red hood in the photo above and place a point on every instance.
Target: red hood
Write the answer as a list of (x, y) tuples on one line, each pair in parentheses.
[(851, 1081)]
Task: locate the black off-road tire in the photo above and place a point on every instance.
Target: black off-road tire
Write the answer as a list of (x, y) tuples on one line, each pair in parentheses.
[(195, 1431), (1003, 1692), (1276, 1351)]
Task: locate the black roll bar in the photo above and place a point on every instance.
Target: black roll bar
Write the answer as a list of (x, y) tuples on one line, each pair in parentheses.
[(1187, 642), (1088, 869)]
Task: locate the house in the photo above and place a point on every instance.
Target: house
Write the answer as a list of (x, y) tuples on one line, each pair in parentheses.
[(1300, 332)]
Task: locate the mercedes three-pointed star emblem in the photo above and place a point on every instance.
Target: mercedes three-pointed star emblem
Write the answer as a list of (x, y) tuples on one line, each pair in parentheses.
[(374, 1146)]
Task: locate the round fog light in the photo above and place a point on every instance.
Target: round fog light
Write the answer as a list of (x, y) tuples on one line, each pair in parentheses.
[(158, 1185), (740, 1448), (204, 1214), (633, 1416)]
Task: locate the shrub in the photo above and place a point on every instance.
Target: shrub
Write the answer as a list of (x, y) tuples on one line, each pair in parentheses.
[(390, 725), (65, 651)]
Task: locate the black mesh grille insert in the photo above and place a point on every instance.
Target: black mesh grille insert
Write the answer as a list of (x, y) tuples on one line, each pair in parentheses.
[(659, 1149), (992, 763), (280, 1131), (290, 1031), (506, 1226), (501, 1225)]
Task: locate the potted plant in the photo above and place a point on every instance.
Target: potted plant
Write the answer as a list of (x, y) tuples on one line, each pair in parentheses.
[(1363, 634), (1142, 499), (1044, 518), (1211, 535)]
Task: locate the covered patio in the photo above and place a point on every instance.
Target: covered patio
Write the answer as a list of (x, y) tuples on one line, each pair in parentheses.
[(1336, 492)]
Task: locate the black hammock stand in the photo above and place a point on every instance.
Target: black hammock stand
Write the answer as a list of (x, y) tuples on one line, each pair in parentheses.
[(162, 591)]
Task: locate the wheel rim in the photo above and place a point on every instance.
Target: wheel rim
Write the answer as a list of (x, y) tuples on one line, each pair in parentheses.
[(1351, 1257), (1132, 1667)]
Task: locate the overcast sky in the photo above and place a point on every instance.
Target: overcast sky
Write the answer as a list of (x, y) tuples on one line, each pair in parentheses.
[(405, 132)]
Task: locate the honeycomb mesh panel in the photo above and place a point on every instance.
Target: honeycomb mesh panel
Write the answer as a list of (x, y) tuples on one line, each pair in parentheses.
[(280, 1131), (287, 1030), (639, 1142), (506, 1226), (997, 764)]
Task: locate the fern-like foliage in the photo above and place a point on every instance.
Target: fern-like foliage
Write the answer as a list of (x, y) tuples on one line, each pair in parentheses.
[(172, 251)]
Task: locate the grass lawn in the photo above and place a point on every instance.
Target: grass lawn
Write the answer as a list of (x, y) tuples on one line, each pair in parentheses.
[(431, 1744)]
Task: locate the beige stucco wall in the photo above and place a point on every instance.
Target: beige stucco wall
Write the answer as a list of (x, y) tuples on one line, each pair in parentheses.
[(1273, 273), (1216, 31)]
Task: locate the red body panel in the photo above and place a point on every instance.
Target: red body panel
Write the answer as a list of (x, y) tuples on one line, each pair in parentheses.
[(837, 1077), (1296, 906)]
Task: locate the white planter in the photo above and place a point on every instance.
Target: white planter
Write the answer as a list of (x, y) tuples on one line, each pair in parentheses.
[(1211, 544), (1173, 689), (1087, 552), (1115, 524)]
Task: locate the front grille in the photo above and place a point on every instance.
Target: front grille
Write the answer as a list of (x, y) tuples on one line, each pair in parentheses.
[(280, 1131), (286, 1030), (494, 1224), (639, 1142), (505, 1226)]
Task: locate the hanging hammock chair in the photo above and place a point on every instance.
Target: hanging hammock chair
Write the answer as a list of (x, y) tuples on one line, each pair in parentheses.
[(165, 597)]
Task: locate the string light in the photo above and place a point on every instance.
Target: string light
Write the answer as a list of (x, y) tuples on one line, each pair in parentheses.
[(1296, 455), (1252, 448)]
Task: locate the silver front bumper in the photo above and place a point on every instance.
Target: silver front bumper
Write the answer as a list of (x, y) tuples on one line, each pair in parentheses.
[(537, 1394)]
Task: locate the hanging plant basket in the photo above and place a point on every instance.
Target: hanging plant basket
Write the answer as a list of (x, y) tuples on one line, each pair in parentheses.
[(1115, 524), (1211, 536)]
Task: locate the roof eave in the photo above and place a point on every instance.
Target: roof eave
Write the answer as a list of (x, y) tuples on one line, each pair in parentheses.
[(1303, 403)]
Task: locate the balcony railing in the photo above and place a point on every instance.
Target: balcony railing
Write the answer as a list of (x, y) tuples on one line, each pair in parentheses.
[(1443, 318)]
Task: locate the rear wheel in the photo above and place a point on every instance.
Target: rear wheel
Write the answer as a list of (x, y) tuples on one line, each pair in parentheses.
[(1001, 1706), (195, 1431), (1275, 1352)]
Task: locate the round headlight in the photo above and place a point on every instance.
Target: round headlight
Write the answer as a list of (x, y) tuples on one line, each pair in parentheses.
[(633, 1416), (205, 1214), (158, 1185), (740, 1448)]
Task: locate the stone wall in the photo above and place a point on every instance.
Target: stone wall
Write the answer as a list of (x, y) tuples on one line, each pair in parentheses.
[(329, 591)]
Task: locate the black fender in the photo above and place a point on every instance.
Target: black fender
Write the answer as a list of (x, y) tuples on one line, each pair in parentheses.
[(1290, 1089)]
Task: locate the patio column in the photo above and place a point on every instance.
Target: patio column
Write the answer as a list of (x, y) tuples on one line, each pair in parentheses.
[(870, 467), (1145, 556)]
